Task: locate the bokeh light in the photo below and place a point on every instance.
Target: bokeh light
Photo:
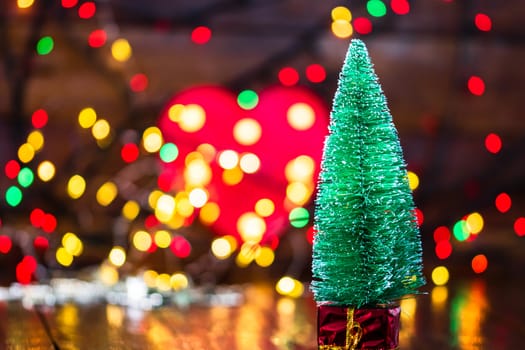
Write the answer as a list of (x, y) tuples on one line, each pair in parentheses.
[(152, 139), (101, 129), (476, 85), (76, 186), (192, 118), (440, 275), (138, 82), (519, 226), (300, 116), (443, 249), (11, 169), (264, 207), (483, 22), (131, 210), (413, 180), (460, 230), (129, 152), (400, 7), (342, 13), (162, 238), (97, 38), (107, 193), (117, 256), (475, 223), (201, 35), (87, 10), (288, 76), (251, 227), (13, 196), (121, 50), (289, 286), (299, 217), (503, 202), (142, 241), (36, 139), (315, 73), (362, 25), (5, 244), (168, 152), (342, 29), (264, 256), (249, 163), (376, 8), (247, 131), (26, 152), (39, 118), (87, 117), (25, 177), (493, 143), (247, 99), (45, 45), (479, 263)]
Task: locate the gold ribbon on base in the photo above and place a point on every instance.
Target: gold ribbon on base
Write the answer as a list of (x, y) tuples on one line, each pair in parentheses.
[(353, 334)]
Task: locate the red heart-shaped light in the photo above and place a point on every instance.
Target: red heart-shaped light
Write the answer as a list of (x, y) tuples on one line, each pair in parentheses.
[(277, 144)]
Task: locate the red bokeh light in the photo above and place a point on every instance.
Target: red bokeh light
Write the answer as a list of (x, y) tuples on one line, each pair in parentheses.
[(41, 243), (201, 35), (476, 85), (129, 152), (443, 249), (479, 263), (315, 73), (519, 226), (483, 22), (25, 269), (138, 82), (310, 233), (151, 221), (12, 168), (288, 76), (400, 7), (69, 3), (39, 118), (503, 202), (441, 233), (37, 217), (419, 216), (180, 247), (5, 244), (493, 143), (87, 10), (164, 181), (362, 25), (97, 38), (49, 223)]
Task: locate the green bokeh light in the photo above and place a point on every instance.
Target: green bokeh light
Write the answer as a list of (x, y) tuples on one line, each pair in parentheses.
[(13, 196), (26, 177), (248, 99), (299, 217), (460, 230), (45, 45), (376, 8), (168, 152)]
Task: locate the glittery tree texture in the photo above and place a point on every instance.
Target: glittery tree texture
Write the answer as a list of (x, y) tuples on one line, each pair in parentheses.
[(367, 249)]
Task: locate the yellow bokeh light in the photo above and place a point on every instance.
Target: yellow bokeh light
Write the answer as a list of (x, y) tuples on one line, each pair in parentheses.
[(131, 210), (300, 169), (176, 221), (232, 177), (117, 256), (175, 112), (46, 171), (87, 117), (72, 244), (228, 159), (264, 257), (298, 193), (142, 240), (26, 153), (63, 257), (221, 248), (108, 274), (342, 29), (440, 275), (475, 223), (247, 131), (153, 198), (251, 227), (209, 213), (246, 254), (162, 239), (107, 193), (341, 13), (152, 139), (192, 156), (165, 207), (163, 282), (121, 50), (76, 186), (184, 207), (198, 197), (101, 129), (36, 139), (413, 180), (290, 287), (300, 116), (197, 173), (179, 281), (207, 151), (192, 118), (249, 163), (264, 207), (23, 4), (150, 278)]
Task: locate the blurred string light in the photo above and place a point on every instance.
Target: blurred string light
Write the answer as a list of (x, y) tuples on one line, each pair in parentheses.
[(440, 275), (87, 10), (39, 118), (341, 26), (45, 45), (201, 35), (46, 171), (24, 4), (476, 85), (493, 143), (400, 7), (483, 22), (97, 38), (376, 8), (247, 99), (288, 76), (503, 202), (519, 226), (479, 263), (289, 286), (76, 186)]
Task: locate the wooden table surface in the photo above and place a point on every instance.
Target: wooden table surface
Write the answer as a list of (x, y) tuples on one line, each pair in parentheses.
[(466, 315)]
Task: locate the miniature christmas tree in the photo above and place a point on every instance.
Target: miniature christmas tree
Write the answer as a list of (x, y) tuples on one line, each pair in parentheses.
[(367, 250)]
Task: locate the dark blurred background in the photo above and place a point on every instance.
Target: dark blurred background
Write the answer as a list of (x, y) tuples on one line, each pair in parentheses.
[(452, 72)]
